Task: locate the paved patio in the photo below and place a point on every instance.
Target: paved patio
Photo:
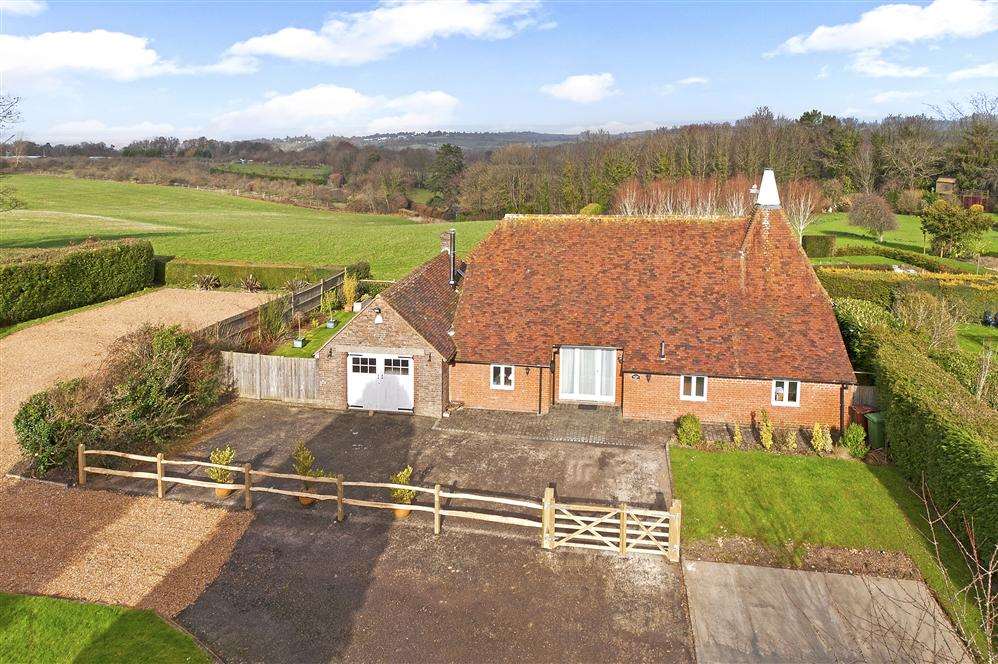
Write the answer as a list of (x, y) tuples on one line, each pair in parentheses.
[(743, 613), (564, 423)]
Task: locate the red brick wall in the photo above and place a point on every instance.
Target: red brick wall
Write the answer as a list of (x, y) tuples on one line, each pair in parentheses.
[(391, 336), (470, 384), (729, 400)]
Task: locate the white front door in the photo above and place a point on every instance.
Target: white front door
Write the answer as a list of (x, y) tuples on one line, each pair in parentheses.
[(588, 374), (379, 382)]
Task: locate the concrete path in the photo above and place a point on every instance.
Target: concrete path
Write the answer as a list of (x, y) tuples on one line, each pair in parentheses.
[(37, 357), (742, 613)]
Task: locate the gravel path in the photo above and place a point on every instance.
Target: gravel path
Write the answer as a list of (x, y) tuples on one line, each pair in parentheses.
[(40, 356), (107, 547)]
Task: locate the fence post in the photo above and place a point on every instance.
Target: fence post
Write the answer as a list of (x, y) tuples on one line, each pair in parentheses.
[(675, 519), (159, 475), (81, 462), (547, 519), (623, 529), (436, 509), (339, 498), (247, 487)]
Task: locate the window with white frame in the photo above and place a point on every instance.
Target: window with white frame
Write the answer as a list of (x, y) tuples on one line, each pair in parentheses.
[(502, 377), (786, 392), (693, 388)]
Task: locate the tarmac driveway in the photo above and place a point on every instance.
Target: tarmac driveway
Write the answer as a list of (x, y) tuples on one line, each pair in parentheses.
[(299, 587)]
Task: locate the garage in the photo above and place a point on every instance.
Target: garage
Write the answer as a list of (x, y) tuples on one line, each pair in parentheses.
[(380, 382)]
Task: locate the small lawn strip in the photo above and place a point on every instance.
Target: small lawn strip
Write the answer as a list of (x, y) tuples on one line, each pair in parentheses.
[(973, 336), (314, 338), (791, 501), (48, 630)]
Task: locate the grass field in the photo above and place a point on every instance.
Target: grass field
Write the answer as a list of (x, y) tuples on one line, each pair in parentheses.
[(908, 236), (209, 225), (45, 630), (318, 175), (972, 337), (791, 501)]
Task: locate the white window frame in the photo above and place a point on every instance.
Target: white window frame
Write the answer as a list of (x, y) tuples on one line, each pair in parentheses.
[(502, 368), (574, 394), (693, 396), (786, 387)]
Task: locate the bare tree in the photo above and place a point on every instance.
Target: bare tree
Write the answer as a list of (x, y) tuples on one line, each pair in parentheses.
[(9, 115), (863, 167), (801, 199)]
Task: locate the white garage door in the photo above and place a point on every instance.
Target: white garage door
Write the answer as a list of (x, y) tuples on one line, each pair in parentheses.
[(380, 382)]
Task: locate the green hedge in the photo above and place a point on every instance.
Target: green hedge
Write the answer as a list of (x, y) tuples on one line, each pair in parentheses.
[(181, 271), (936, 428), (819, 246), (939, 432), (975, 292), (51, 281), (924, 261)]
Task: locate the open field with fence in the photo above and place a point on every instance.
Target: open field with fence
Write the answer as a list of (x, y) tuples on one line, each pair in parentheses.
[(190, 223)]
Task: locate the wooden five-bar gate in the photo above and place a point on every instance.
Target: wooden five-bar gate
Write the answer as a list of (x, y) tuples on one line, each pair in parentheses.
[(621, 528)]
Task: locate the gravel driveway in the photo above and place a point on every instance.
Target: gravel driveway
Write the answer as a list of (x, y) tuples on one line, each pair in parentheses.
[(40, 356)]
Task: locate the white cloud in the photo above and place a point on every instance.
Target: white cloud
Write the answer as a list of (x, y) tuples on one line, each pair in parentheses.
[(823, 73), (869, 63), (331, 109), (116, 55), (95, 130), (988, 70), (669, 88), (896, 95), (582, 88), (23, 7), (892, 24), (363, 36)]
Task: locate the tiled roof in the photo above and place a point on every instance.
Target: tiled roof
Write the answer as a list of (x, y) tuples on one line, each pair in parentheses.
[(426, 301), (536, 283)]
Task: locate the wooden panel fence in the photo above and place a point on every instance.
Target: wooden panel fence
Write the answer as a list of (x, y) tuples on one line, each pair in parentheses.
[(305, 300), (621, 529), (256, 376)]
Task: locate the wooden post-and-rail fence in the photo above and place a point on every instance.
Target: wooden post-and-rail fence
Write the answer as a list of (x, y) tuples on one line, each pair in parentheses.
[(621, 529)]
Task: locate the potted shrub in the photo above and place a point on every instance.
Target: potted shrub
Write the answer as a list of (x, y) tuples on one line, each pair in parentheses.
[(302, 461), (329, 305), (223, 456), (402, 496), (298, 341)]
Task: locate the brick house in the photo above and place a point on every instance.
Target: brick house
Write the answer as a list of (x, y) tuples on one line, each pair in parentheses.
[(657, 317)]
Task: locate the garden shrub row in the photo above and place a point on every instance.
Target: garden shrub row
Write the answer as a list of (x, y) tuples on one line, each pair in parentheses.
[(924, 261), (155, 384), (975, 293), (937, 430), (181, 272), (47, 282), (819, 246)]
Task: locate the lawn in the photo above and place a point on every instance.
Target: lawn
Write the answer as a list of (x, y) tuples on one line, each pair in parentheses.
[(314, 338), (421, 196), (317, 174), (794, 500), (972, 337), (48, 630), (208, 225), (853, 261), (908, 236)]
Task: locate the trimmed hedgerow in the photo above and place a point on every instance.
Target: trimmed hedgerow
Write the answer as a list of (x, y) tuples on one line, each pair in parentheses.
[(181, 272), (924, 261), (939, 432), (819, 246), (47, 282), (974, 292)]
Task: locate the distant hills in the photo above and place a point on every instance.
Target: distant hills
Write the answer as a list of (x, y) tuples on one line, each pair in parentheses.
[(486, 140)]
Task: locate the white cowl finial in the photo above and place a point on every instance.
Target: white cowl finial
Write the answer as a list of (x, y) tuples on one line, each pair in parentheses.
[(769, 197)]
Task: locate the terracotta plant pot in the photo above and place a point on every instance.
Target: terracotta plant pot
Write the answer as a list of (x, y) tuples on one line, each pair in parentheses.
[(223, 493), (305, 501), (401, 513)]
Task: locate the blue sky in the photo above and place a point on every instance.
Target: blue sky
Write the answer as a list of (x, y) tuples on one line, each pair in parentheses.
[(119, 71)]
